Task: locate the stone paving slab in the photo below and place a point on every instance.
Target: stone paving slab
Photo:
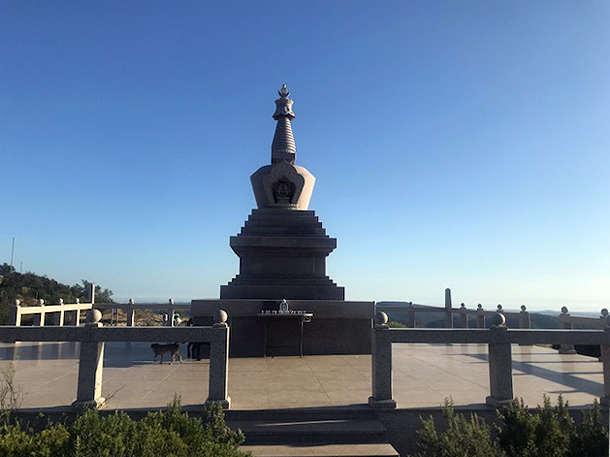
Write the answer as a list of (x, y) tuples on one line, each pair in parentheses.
[(424, 375)]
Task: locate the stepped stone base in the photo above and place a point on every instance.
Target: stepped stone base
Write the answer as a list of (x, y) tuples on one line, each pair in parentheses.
[(282, 255), (337, 327)]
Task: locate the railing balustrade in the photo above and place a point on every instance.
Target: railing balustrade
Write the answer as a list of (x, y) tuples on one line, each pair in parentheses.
[(93, 337), (498, 338)]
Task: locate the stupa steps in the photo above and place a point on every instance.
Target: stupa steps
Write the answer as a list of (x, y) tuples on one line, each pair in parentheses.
[(287, 231), (260, 222), (286, 281)]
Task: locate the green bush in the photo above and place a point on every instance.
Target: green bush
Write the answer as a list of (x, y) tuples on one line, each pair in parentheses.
[(462, 437), (546, 433), (170, 433), (549, 431)]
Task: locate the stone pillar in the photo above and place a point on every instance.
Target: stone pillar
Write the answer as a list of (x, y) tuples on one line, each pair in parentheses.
[(411, 311), (131, 314), (219, 362), (91, 365), (500, 367), (605, 358), (563, 323), (58, 318), (77, 314), (448, 309), (480, 316), (91, 293), (463, 316), (524, 321), (170, 313), (524, 318), (14, 317), (40, 318), (382, 365)]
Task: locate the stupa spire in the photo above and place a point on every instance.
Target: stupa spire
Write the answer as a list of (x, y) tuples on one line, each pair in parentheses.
[(283, 147)]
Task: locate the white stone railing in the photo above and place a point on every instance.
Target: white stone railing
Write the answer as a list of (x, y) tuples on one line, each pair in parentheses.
[(498, 338), (93, 336), (58, 310)]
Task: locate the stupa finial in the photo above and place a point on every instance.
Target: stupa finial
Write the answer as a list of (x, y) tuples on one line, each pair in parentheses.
[(283, 147)]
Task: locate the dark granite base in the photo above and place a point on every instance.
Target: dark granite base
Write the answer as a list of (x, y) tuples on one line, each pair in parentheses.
[(337, 327)]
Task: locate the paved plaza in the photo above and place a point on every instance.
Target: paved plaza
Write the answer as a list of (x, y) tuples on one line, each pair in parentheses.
[(424, 375)]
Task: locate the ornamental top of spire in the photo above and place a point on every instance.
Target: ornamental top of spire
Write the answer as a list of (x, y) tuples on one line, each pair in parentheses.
[(283, 105)]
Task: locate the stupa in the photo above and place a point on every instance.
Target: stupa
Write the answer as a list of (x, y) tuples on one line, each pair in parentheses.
[(283, 247), (282, 279)]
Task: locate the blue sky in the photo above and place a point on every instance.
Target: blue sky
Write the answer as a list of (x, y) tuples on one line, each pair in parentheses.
[(455, 144)]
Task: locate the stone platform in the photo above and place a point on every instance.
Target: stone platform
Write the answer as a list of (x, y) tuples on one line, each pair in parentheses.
[(424, 375)]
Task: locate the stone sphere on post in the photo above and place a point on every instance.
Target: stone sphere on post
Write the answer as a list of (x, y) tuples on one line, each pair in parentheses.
[(94, 316), (220, 317), (499, 320), (381, 318)]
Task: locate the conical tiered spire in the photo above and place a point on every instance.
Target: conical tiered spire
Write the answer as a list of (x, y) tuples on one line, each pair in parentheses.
[(283, 147)]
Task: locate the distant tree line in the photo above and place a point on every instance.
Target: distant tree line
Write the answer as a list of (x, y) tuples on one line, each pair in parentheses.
[(30, 287)]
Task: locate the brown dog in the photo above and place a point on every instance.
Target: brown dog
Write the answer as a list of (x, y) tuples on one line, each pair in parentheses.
[(172, 348)]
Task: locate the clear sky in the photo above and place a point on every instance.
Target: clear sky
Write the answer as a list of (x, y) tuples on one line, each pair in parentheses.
[(460, 144)]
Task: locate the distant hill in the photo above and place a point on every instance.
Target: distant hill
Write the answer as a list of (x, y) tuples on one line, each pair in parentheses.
[(30, 287)]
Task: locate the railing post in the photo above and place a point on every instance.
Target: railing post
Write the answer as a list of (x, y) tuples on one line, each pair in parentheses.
[(480, 316), (411, 312), (524, 318), (219, 362), (91, 364), (40, 318), (525, 321), (565, 324), (58, 318), (463, 316), (448, 309), (382, 364), (500, 366), (14, 317), (131, 314), (605, 358), (77, 315)]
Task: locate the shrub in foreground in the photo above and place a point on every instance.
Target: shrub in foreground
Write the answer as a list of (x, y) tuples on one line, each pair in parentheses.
[(170, 433), (549, 431)]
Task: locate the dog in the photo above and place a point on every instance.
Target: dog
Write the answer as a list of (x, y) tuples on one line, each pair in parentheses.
[(171, 348)]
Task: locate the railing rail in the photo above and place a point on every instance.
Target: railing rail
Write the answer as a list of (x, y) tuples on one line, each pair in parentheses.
[(566, 320), (93, 337), (498, 338)]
